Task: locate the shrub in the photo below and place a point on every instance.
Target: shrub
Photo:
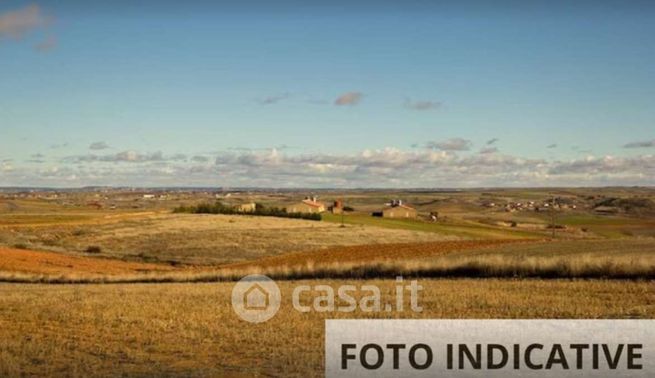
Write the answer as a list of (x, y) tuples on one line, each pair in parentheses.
[(556, 226), (93, 249), (182, 209)]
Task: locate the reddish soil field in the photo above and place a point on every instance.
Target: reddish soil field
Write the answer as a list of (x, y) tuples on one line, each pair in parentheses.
[(27, 261), (51, 263)]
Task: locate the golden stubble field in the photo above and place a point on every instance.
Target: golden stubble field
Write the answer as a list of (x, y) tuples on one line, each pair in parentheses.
[(196, 238), (191, 329)]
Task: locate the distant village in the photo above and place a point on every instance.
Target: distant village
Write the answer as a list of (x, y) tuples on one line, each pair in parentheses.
[(249, 201), (553, 203)]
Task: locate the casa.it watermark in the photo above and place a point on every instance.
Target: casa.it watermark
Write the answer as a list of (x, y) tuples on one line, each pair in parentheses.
[(257, 298)]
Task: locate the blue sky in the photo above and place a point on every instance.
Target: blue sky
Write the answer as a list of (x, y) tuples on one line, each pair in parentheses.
[(211, 93)]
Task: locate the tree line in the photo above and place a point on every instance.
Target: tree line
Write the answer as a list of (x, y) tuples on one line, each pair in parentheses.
[(260, 210)]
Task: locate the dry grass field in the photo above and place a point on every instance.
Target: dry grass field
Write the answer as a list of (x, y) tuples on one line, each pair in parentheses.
[(198, 238), (606, 259), (632, 259), (152, 295), (190, 329)]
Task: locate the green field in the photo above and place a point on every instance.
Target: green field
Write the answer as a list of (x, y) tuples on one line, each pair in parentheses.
[(465, 229)]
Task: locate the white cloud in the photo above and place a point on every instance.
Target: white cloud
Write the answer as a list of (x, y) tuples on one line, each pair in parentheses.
[(199, 159), (388, 167)]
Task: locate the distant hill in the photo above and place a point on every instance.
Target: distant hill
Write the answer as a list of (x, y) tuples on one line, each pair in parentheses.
[(633, 206)]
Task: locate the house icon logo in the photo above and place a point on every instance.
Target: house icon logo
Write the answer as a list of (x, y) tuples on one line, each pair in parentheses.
[(256, 298)]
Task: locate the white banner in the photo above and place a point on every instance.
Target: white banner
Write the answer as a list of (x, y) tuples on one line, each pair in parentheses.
[(490, 348)]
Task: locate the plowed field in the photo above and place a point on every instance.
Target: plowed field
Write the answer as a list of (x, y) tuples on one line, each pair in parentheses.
[(37, 262), (51, 263)]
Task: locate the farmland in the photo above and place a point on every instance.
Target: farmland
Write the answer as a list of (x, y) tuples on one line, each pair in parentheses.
[(127, 226), (196, 239), (118, 227), (191, 330), (110, 283)]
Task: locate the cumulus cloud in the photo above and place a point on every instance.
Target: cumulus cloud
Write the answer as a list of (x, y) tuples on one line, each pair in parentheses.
[(279, 147), (178, 157), (640, 144), (492, 141), (349, 98), (393, 167), (388, 167), (121, 157), (453, 144), (98, 146), (422, 105), (590, 166), (489, 150), (36, 158), (199, 159)]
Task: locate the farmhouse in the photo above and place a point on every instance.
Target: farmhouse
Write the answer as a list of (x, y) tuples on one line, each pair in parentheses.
[(308, 205), (398, 210), (337, 207)]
